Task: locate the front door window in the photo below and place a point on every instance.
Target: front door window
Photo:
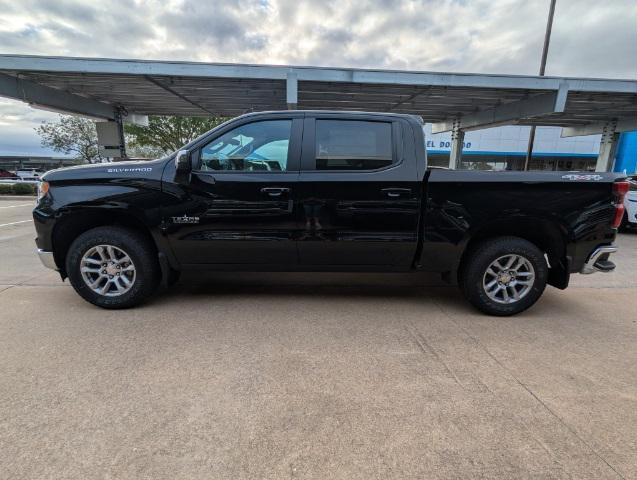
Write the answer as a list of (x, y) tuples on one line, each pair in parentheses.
[(258, 146)]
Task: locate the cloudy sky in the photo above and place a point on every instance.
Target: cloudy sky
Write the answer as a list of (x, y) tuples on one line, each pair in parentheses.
[(590, 37)]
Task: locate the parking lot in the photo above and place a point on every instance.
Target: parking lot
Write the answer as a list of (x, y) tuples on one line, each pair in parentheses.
[(313, 376)]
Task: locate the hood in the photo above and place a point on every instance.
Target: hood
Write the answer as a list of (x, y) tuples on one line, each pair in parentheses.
[(130, 169)]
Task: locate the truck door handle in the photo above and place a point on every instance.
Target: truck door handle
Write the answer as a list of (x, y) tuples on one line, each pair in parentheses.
[(396, 192), (275, 191)]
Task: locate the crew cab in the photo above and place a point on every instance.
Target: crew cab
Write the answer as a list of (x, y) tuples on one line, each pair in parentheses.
[(323, 191)]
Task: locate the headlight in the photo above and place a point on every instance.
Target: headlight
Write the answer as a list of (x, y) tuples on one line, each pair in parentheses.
[(43, 189)]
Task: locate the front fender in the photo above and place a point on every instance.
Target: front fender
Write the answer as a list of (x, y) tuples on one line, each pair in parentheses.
[(70, 209)]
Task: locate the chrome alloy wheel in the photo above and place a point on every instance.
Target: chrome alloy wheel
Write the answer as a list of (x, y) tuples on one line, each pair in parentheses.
[(508, 279), (108, 270)]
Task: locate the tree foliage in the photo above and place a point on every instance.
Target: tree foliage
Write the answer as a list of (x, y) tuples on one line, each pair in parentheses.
[(134, 150), (71, 135), (169, 133), (78, 136)]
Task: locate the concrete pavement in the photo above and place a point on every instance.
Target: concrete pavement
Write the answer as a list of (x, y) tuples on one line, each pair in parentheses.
[(314, 376)]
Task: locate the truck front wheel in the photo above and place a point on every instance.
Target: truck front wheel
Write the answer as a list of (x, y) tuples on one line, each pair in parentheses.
[(112, 267), (504, 275)]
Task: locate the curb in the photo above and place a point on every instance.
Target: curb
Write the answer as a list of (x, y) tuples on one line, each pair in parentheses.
[(18, 197)]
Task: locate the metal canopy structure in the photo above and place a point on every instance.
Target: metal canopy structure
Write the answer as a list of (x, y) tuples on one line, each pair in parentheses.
[(457, 102)]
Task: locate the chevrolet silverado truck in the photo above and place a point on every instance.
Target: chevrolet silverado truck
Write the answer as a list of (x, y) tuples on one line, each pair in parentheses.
[(323, 191)]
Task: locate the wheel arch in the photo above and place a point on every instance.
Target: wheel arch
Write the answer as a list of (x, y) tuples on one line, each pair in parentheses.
[(548, 235), (69, 226)]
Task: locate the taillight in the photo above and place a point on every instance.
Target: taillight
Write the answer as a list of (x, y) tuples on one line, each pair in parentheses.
[(620, 189), (43, 189)]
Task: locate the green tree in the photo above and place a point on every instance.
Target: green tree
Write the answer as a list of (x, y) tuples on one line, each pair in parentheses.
[(167, 134), (78, 136), (71, 135)]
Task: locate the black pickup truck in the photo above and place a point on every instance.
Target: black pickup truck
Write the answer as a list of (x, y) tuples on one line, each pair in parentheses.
[(323, 191)]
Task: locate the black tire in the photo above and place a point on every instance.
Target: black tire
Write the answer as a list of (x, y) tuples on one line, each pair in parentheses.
[(481, 257), (141, 253)]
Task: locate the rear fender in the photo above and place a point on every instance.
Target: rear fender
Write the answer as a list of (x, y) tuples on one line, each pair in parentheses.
[(547, 234)]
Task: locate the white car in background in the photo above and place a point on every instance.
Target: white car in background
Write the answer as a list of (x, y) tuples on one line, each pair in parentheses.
[(630, 203), (29, 174)]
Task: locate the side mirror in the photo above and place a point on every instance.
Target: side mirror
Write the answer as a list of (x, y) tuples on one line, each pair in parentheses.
[(182, 162)]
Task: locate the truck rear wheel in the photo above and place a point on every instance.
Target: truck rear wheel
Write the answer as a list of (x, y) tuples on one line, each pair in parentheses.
[(112, 267), (504, 275)]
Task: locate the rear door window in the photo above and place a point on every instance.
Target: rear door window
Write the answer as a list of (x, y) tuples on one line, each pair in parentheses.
[(353, 145)]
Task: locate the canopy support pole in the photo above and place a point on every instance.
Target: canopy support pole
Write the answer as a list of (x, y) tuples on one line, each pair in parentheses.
[(607, 147), (457, 139)]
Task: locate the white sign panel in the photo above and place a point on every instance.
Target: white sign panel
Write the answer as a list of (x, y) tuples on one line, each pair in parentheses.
[(513, 139)]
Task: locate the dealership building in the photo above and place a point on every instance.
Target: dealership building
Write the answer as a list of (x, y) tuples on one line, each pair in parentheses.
[(504, 148), (30, 162)]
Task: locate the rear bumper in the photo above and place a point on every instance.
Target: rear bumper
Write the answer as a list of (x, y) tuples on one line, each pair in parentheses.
[(47, 259), (598, 260)]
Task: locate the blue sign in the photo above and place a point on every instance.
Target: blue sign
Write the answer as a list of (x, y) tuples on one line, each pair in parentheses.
[(446, 144)]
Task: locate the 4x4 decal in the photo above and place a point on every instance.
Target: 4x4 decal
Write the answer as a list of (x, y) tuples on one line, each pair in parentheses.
[(579, 176)]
